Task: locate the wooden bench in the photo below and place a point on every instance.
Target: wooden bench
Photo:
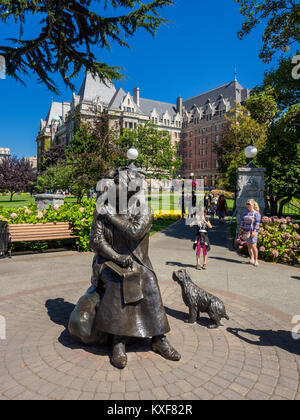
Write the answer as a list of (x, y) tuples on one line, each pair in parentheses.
[(40, 232)]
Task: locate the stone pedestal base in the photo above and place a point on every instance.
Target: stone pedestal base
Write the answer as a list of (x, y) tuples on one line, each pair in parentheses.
[(43, 201), (250, 184)]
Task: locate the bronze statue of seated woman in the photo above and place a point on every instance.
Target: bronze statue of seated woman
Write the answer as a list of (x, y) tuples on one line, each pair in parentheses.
[(125, 299)]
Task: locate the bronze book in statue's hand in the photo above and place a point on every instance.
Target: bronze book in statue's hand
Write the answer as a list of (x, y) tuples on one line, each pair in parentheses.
[(132, 290)]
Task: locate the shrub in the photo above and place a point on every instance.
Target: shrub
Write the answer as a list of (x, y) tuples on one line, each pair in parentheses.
[(278, 240), (227, 194), (79, 215)]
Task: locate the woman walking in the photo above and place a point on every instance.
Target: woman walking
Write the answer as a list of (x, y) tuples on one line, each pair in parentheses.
[(222, 208), (249, 229), (201, 240)]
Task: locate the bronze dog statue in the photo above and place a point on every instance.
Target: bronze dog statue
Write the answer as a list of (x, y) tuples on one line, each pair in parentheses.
[(198, 300)]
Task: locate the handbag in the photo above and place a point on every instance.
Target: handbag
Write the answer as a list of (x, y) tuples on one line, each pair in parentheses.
[(246, 235)]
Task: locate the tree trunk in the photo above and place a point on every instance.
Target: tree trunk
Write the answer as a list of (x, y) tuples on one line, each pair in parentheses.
[(11, 195), (79, 197), (282, 203), (273, 205)]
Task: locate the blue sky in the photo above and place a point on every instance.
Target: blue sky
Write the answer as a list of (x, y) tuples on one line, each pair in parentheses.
[(197, 52)]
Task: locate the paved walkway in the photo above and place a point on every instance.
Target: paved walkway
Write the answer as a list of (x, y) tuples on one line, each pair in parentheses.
[(253, 356)]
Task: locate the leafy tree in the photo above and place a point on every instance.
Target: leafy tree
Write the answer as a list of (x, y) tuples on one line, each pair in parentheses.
[(241, 130), (285, 88), (57, 177), (280, 155), (53, 156), (15, 174), (282, 28), (91, 153), (276, 136), (68, 32), (157, 155), (263, 106)]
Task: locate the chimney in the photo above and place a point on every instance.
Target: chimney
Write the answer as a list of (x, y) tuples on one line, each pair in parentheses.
[(65, 109), (179, 105), (136, 96)]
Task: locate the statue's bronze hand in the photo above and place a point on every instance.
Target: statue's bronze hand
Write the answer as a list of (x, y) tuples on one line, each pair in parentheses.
[(126, 261)]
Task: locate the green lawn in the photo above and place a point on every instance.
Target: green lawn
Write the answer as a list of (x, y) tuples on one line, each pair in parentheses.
[(163, 201), (24, 200), (159, 225), (156, 201)]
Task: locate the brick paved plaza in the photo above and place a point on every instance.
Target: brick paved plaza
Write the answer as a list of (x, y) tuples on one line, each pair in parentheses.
[(253, 356)]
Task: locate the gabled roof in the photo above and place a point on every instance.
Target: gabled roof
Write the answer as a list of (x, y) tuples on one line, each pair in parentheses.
[(147, 105), (54, 111), (229, 92), (117, 100), (92, 88)]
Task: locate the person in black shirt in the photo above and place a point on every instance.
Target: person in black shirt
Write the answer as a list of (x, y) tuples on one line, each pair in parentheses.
[(201, 240)]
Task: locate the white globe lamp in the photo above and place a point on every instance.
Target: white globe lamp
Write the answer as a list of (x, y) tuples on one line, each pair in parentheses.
[(132, 153), (250, 152)]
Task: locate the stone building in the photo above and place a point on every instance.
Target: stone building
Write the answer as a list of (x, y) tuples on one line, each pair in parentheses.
[(4, 152), (126, 110), (198, 123), (203, 126), (33, 161)]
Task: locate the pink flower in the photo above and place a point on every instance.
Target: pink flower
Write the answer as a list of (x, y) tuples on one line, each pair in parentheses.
[(13, 215), (296, 226), (262, 249), (283, 226), (291, 245), (297, 237), (55, 207), (274, 243), (27, 211), (81, 209), (275, 253)]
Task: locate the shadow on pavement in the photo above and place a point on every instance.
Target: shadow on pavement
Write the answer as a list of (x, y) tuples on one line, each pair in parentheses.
[(281, 339), (217, 235), (59, 312), (295, 277), (178, 264), (229, 260)]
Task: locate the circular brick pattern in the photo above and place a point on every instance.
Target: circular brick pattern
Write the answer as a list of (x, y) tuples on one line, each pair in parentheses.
[(253, 356)]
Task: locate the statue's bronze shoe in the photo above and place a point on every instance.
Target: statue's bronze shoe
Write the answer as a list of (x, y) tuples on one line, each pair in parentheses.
[(119, 357), (163, 347)]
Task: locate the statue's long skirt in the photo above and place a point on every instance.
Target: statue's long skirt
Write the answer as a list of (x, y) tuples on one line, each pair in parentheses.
[(146, 318)]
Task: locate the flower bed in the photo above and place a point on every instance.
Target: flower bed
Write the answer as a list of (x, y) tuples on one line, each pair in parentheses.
[(278, 240), (227, 194), (79, 215)]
